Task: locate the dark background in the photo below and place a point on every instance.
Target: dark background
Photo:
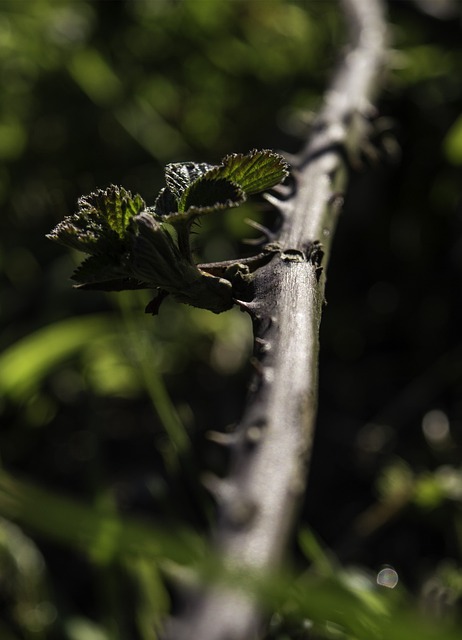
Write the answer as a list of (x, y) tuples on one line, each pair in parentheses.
[(94, 93)]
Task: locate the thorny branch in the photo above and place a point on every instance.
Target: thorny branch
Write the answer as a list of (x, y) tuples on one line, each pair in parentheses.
[(257, 503)]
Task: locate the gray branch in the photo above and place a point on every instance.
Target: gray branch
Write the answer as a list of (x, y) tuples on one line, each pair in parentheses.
[(258, 501)]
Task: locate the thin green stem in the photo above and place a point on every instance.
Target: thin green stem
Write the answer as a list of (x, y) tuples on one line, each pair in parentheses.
[(179, 442)]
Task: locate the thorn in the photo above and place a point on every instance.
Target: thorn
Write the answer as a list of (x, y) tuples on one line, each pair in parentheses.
[(240, 512), (282, 206), (237, 511), (219, 489), (257, 365), (253, 434), (267, 233), (265, 373), (272, 199), (247, 307), (283, 190), (264, 345), (254, 242), (290, 157), (337, 198), (222, 439)]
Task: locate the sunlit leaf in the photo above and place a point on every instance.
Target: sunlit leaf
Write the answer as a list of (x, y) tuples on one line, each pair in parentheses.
[(207, 195), (203, 188), (254, 172), (115, 205), (101, 222)]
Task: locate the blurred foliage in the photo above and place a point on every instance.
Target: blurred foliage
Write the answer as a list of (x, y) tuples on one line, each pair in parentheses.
[(104, 410)]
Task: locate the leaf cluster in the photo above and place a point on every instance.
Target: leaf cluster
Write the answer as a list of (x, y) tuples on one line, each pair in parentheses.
[(132, 246)]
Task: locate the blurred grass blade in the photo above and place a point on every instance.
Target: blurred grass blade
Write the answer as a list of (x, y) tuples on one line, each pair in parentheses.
[(24, 364), (99, 533), (153, 603), (179, 443), (313, 551), (359, 609)]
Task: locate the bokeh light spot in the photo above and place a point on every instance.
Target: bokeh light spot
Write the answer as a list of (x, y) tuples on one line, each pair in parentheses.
[(387, 577)]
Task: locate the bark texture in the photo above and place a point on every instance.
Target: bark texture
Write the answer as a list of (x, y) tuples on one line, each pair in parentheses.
[(258, 501)]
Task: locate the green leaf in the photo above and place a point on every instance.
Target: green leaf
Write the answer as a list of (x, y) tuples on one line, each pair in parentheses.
[(156, 259), (101, 223), (206, 195), (181, 175), (203, 188), (313, 551), (210, 193), (104, 273), (118, 284), (165, 203), (87, 234), (131, 246), (254, 172), (115, 205)]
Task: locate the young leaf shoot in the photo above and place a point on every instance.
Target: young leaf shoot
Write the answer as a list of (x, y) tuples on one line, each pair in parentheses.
[(132, 246)]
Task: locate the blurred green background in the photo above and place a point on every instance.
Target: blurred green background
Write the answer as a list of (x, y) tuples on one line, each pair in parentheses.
[(104, 410)]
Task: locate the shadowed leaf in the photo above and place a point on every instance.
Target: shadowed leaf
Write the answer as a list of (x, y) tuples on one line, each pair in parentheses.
[(98, 273), (181, 175)]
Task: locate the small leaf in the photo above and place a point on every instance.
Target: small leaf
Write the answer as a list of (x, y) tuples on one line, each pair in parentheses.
[(115, 205), (100, 225), (205, 188), (97, 269), (179, 176), (84, 234), (134, 247), (100, 273), (254, 172), (165, 203), (155, 258), (207, 292), (211, 193), (206, 195), (118, 284)]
